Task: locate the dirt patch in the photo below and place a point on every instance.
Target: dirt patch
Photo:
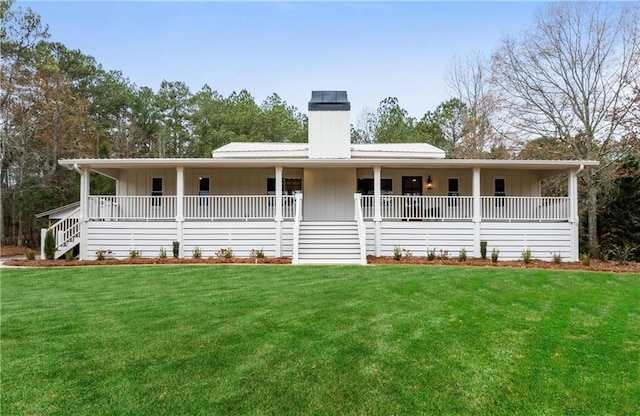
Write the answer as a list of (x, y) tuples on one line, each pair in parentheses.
[(12, 251)]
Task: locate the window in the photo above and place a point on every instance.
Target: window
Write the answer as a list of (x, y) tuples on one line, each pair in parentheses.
[(500, 190), (453, 189), (289, 186), (156, 190), (204, 190), (203, 186), (366, 186), (500, 187)]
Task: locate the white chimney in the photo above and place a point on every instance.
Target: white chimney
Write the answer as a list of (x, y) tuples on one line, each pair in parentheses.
[(329, 125)]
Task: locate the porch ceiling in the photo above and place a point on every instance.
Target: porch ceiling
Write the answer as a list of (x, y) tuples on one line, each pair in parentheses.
[(108, 165)]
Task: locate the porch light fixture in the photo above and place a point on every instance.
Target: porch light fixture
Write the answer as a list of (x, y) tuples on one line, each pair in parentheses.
[(429, 183)]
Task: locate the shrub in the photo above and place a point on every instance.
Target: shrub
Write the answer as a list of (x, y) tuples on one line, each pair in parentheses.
[(586, 260), (68, 256), (494, 255), (526, 256), (163, 253), (226, 253), (257, 254), (134, 254), (621, 253), (431, 254), (444, 254), (176, 249), (197, 252), (49, 245), (407, 253), (397, 253), (557, 258), (483, 250), (462, 256), (102, 254), (31, 254)]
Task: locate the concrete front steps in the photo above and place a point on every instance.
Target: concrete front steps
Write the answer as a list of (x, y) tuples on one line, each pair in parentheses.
[(329, 242)]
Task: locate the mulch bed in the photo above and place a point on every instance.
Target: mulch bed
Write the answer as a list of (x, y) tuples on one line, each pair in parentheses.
[(596, 265), (143, 261)]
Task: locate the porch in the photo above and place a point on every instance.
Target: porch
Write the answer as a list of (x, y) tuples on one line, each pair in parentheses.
[(265, 207)]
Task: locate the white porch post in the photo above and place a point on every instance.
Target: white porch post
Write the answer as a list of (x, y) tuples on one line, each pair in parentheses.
[(573, 214), (180, 208), (477, 212), (377, 208), (84, 212), (278, 214)]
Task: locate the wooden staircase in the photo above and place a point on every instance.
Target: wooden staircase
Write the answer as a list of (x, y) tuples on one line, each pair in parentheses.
[(329, 242), (66, 232)]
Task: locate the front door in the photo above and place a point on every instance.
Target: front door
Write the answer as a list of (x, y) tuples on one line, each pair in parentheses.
[(412, 186)]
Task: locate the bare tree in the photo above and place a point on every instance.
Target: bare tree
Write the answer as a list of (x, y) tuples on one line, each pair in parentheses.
[(570, 79), (468, 79)]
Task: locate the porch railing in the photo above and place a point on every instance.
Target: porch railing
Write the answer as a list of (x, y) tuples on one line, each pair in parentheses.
[(420, 207), (518, 208), (461, 208), (195, 207), (132, 207)]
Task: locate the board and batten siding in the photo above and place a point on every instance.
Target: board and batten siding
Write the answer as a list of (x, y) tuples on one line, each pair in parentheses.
[(422, 236), (544, 239), (328, 194), (123, 237), (240, 236)]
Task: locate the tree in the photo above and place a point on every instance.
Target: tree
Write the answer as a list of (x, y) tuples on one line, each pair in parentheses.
[(174, 105), (365, 129), (394, 123), (568, 79), (445, 127), (281, 122), (468, 80)]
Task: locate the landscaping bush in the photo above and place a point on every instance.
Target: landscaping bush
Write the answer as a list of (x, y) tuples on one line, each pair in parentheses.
[(163, 253), (397, 253), (483, 250), (49, 245), (197, 252), (31, 254), (176, 249), (526, 256), (494, 255), (462, 256)]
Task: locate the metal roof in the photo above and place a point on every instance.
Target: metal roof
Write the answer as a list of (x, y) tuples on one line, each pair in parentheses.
[(329, 101), (98, 164), (301, 150)]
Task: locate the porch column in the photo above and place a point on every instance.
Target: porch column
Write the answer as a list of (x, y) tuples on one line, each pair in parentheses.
[(477, 212), (278, 214), (84, 211), (180, 208), (573, 214), (377, 208)]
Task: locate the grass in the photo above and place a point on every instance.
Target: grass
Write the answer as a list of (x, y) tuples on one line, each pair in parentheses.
[(278, 340)]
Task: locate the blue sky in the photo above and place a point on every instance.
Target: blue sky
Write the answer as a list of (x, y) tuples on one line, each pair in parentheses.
[(371, 49)]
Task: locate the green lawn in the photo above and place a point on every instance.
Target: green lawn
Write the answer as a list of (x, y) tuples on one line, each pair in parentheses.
[(284, 340)]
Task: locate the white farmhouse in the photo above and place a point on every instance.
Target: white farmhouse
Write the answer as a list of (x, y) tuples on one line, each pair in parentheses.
[(325, 201)]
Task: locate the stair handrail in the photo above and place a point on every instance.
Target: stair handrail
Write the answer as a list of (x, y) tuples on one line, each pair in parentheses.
[(296, 228), (65, 230), (362, 232)]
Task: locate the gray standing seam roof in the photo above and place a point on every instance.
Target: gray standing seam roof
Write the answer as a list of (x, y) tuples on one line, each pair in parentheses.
[(329, 101)]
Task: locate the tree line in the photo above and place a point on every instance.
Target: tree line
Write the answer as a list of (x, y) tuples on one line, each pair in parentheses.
[(568, 88)]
